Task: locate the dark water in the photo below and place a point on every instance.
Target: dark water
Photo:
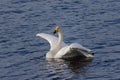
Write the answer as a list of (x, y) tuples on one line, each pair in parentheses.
[(92, 23)]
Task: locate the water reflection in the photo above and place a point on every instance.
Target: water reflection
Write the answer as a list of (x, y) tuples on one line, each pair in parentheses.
[(72, 66)]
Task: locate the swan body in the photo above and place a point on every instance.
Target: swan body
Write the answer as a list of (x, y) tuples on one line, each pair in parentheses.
[(61, 50)]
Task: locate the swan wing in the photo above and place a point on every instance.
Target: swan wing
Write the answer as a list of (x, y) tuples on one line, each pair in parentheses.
[(51, 39), (74, 50), (79, 46), (80, 50)]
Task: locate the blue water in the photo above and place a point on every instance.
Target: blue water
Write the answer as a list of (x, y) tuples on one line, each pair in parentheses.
[(93, 23)]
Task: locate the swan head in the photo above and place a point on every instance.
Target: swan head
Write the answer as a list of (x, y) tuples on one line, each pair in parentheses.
[(57, 29)]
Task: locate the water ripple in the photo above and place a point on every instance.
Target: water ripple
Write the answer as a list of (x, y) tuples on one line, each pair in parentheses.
[(94, 24)]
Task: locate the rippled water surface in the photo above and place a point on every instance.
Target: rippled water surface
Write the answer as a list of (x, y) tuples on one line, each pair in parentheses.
[(93, 23)]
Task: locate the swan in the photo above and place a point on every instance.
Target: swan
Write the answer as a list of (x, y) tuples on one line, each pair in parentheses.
[(59, 49)]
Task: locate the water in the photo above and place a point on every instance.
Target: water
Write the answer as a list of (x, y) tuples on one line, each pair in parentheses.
[(92, 23)]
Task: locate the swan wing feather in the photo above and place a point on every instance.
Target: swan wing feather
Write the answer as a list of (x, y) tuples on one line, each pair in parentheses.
[(51, 39), (73, 50), (79, 46)]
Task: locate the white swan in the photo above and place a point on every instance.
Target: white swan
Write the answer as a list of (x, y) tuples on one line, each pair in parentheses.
[(61, 50)]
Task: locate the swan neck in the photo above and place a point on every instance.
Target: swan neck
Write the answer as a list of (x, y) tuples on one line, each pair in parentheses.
[(60, 39)]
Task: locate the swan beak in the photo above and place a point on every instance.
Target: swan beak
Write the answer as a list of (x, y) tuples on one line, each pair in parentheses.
[(54, 32)]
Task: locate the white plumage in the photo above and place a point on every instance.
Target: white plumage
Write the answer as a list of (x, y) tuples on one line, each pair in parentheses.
[(61, 50)]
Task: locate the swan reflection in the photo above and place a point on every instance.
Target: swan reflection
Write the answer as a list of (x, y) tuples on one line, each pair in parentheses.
[(74, 66)]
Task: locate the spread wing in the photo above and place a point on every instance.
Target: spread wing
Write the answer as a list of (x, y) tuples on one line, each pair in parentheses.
[(74, 50), (51, 39), (79, 46)]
